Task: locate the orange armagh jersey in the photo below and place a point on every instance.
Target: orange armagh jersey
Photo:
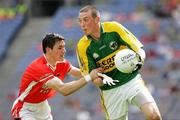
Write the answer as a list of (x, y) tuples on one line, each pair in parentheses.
[(33, 88)]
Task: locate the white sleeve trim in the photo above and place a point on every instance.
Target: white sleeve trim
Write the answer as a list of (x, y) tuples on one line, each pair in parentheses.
[(142, 54)]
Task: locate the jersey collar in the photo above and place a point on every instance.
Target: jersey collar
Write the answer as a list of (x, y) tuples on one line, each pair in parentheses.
[(51, 66)]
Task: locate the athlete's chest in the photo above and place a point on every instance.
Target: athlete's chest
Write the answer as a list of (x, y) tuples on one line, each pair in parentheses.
[(106, 45)]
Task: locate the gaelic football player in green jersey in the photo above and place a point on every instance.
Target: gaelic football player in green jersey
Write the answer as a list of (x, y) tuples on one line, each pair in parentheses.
[(97, 48)]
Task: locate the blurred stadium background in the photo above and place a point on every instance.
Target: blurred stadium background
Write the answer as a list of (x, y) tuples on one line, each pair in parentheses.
[(156, 23)]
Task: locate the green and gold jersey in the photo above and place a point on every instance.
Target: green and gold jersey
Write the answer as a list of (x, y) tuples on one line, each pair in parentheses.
[(100, 53)]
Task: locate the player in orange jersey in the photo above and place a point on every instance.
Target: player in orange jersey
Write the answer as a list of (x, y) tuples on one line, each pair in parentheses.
[(43, 77)]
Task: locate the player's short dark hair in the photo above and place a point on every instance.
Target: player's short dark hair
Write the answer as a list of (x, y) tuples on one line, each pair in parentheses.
[(50, 39), (94, 10)]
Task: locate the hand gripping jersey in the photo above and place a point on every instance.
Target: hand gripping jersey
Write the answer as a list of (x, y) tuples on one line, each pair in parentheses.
[(33, 88), (93, 53)]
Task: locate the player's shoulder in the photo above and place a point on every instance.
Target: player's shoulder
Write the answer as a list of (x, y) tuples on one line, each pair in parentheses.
[(65, 65), (83, 38), (67, 62), (38, 64), (110, 23), (111, 26), (83, 42)]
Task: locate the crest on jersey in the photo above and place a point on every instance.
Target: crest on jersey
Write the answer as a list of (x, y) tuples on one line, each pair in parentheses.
[(95, 55), (113, 45)]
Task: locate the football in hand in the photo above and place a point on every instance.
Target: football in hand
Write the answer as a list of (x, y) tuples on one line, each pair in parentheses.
[(126, 60)]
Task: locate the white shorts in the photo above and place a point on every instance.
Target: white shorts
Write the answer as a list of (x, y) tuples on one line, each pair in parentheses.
[(116, 100), (38, 111)]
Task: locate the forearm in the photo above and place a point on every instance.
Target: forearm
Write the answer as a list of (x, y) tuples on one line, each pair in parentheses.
[(66, 88), (71, 87)]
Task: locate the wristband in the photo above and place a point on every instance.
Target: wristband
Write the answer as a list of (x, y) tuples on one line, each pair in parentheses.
[(87, 78)]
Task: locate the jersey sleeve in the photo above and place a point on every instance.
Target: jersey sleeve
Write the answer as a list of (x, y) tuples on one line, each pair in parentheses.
[(85, 61), (68, 66), (126, 35)]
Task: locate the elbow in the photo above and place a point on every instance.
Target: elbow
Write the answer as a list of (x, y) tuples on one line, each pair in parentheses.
[(63, 90), (65, 93)]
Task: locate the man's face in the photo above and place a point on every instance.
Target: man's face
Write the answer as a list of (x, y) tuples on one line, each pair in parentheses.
[(58, 51), (87, 22)]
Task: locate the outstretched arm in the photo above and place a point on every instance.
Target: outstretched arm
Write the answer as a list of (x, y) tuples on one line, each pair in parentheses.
[(70, 87), (66, 88)]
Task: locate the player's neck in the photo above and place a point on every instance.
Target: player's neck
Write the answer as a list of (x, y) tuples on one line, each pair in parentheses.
[(96, 37), (96, 33), (50, 61)]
